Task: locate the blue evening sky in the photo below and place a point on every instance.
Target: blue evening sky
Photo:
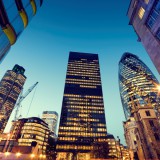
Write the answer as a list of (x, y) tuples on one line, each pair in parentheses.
[(93, 26)]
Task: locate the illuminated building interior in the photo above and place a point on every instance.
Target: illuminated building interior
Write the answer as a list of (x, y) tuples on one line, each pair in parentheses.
[(29, 130), (10, 88), (82, 118), (137, 83)]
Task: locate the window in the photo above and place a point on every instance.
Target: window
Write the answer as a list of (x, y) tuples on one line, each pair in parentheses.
[(153, 14), (148, 113), (151, 123), (156, 137), (158, 34), (146, 1), (141, 12)]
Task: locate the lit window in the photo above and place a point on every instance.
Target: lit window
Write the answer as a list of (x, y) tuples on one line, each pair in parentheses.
[(141, 12), (146, 1)]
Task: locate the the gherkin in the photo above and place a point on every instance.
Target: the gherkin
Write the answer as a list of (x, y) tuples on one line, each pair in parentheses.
[(137, 84)]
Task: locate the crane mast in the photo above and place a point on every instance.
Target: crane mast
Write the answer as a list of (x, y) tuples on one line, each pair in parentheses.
[(21, 98)]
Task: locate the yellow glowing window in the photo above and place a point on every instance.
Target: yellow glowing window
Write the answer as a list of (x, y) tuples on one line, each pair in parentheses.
[(141, 12), (146, 1)]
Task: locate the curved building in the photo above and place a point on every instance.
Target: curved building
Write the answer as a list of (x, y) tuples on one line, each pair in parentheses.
[(27, 131), (137, 83), (14, 17)]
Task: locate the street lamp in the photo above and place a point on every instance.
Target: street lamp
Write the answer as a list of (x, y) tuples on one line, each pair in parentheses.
[(32, 155), (7, 154), (18, 154)]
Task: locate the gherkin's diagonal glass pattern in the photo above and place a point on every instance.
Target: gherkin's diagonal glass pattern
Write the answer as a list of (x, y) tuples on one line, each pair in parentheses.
[(14, 17), (136, 82), (82, 118)]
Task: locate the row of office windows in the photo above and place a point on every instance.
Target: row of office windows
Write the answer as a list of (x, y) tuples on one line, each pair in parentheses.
[(73, 147), (77, 134)]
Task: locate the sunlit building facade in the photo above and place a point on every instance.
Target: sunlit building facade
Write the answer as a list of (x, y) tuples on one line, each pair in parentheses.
[(14, 17), (51, 118), (144, 16), (10, 88), (82, 119), (136, 83), (31, 131)]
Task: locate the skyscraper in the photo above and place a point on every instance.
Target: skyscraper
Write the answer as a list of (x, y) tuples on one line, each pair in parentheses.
[(27, 131), (10, 88), (82, 120), (144, 16), (14, 17), (51, 118), (136, 83), (140, 100)]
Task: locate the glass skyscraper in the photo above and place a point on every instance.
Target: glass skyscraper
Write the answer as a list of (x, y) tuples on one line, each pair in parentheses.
[(137, 84), (82, 119), (10, 88), (51, 118), (14, 17)]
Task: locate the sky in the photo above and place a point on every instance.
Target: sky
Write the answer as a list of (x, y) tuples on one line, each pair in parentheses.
[(91, 26)]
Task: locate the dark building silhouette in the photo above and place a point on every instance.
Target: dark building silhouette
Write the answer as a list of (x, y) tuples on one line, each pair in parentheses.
[(10, 88), (82, 119), (14, 18)]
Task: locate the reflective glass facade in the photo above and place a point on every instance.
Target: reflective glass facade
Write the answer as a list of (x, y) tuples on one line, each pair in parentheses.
[(14, 17), (10, 88), (28, 130), (137, 83), (82, 118), (51, 118)]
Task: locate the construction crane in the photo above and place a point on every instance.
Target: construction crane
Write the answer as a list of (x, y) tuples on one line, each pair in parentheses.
[(21, 98)]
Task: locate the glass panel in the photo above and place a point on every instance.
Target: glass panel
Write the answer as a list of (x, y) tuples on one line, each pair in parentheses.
[(150, 22), (28, 8), (14, 16), (157, 7), (37, 3), (5, 45), (154, 14), (158, 34)]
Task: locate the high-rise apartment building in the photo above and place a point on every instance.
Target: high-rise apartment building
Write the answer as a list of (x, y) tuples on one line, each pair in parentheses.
[(82, 119), (136, 82), (144, 16), (14, 17), (51, 118), (10, 88)]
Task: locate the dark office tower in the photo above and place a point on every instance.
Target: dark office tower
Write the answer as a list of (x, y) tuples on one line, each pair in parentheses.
[(14, 17), (10, 88), (144, 16), (137, 83), (82, 118)]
